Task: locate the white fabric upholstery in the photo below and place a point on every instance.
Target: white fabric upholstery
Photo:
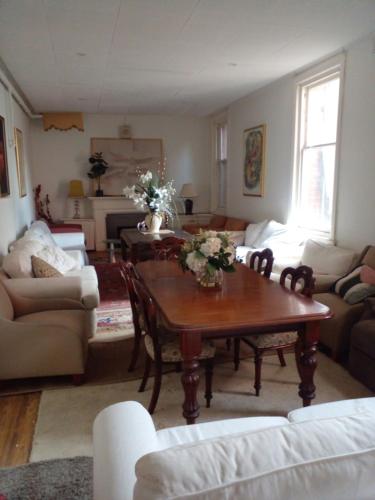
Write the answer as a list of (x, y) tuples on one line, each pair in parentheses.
[(285, 462), (69, 240), (123, 433), (253, 231), (57, 257), (327, 259), (335, 409), (272, 229)]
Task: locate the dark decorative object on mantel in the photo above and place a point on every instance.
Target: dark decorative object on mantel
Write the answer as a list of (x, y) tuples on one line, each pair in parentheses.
[(98, 168)]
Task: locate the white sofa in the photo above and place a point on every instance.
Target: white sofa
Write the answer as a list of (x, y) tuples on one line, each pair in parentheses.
[(79, 282), (292, 248), (321, 452)]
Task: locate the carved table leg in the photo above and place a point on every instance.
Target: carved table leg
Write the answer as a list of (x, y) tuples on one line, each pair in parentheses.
[(190, 349), (306, 361)]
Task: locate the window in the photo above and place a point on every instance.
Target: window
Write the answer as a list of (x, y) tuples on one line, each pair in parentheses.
[(315, 166), (221, 164)]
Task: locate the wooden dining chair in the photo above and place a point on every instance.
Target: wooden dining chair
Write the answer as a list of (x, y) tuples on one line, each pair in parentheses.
[(164, 347), (260, 343), (128, 273), (261, 262), (167, 248)]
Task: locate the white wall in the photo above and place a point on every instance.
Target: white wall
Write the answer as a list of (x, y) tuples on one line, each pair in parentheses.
[(61, 156), (274, 105), (15, 213)]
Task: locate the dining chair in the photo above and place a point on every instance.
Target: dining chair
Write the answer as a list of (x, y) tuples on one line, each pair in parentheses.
[(260, 343), (164, 347), (261, 262), (167, 248), (128, 272)]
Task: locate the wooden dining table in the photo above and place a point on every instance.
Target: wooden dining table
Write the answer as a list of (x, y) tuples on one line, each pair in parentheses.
[(247, 303)]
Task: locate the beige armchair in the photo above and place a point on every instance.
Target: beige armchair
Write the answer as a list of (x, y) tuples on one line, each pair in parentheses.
[(42, 337)]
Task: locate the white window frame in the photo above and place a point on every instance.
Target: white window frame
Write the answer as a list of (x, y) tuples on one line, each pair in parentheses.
[(218, 121), (315, 76)]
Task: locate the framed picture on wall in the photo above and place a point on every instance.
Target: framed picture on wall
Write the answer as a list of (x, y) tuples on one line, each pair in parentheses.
[(21, 173), (254, 160), (4, 176), (127, 158)]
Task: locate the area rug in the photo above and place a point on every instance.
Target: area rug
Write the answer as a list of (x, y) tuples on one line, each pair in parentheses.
[(69, 479), (64, 425)]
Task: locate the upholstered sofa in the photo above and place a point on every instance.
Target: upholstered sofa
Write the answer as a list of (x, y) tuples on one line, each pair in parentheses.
[(218, 223), (362, 346), (79, 282), (324, 451)]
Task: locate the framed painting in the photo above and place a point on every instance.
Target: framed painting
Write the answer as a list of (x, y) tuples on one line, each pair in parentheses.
[(4, 176), (254, 161), (20, 159), (127, 159)]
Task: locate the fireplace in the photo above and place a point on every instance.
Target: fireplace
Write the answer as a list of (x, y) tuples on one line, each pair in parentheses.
[(117, 221)]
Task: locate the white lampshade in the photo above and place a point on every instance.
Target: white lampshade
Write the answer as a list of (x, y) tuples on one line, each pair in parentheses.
[(188, 191)]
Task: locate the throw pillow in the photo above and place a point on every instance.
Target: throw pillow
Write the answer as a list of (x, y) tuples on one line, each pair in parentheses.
[(39, 230), (253, 231), (327, 259), (272, 229), (42, 269), (368, 275), (351, 288), (17, 264), (58, 258)]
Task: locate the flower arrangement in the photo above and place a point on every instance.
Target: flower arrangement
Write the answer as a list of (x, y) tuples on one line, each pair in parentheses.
[(207, 255), (151, 194)]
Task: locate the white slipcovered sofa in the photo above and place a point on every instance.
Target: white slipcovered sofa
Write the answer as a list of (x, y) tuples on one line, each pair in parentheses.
[(292, 248), (79, 281), (321, 452)]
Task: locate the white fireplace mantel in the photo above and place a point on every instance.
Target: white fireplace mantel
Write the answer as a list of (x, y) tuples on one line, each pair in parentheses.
[(101, 207)]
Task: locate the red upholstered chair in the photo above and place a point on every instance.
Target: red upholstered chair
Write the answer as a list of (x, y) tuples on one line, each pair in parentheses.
[(290, 278)]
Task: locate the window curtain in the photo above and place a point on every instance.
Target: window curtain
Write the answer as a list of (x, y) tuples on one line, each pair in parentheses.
[(63, 121)]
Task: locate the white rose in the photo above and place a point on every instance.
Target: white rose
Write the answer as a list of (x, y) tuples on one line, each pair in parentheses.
[(211, 246), (196, 265)]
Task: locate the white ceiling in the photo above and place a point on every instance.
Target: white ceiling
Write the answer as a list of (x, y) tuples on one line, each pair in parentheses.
[(166, 56)]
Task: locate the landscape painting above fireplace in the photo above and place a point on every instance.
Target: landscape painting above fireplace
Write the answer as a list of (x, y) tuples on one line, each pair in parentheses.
[(127, 158)]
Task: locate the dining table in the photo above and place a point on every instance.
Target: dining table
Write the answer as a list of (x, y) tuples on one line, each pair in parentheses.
[(247, 303)]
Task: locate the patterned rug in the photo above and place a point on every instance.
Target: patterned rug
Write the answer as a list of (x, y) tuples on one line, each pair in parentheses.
[(114, 312)]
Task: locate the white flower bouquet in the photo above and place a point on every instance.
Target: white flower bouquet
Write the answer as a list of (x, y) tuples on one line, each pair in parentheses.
[(149, 193), (207, 255)]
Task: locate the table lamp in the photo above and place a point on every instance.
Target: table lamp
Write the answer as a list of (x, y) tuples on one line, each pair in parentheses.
[(188, 191), (76, 192)]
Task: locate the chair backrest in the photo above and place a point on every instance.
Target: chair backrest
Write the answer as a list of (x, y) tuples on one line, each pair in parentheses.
[(128, 274), (148, 312), (299, 274), (6, 306), (168, 248), (262, 262)]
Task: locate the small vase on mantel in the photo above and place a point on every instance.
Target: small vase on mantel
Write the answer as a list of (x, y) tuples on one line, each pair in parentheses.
[(153, 221), (212, 281)]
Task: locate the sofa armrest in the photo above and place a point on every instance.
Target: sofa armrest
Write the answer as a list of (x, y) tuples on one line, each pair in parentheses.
[(24, 305), (69, 240), (46, 288), (123, 433), (324, 282)]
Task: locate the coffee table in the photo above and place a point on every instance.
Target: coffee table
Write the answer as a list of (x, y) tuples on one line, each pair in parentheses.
[(136, 245)]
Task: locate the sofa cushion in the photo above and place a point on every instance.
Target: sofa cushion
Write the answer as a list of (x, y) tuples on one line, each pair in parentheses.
[(253, 232), (273, 232), (314, 459), (17, 264), (41, 268), (233, 224), (369, 257), (40, 230), (327, 259), (58, 258), (363, 337), (351, 288), (217, 222), (6, 306), (333, 409)]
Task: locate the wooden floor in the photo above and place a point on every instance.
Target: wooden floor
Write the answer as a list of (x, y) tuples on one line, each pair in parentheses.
[(18, 415)]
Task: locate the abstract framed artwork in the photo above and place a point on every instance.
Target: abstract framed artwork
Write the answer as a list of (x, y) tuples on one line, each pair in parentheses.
[(254, 161), (127, 158), (4, 175), (20, 159)]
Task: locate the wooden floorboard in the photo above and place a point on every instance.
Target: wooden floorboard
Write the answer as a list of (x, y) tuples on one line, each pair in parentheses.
[(18, 416)]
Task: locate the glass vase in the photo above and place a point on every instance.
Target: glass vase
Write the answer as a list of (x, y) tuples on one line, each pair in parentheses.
[(207, 280)]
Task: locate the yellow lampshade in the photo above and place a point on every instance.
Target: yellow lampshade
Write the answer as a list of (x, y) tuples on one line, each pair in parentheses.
[(76, 189)]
